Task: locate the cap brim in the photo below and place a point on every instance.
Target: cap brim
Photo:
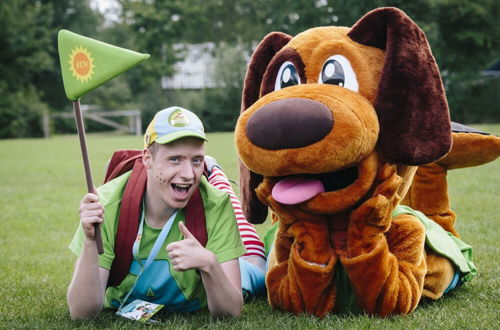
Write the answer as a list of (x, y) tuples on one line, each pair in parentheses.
[(179, 135)]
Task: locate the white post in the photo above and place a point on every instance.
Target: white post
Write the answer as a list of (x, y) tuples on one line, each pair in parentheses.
[(46, 124), (138, 124)]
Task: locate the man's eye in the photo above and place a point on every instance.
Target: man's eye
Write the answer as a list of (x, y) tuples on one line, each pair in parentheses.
[(197, 161), (174, 159)]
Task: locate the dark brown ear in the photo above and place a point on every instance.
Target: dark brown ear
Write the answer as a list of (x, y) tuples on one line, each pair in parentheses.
[(411, 103), (254, 210), (261, 57)]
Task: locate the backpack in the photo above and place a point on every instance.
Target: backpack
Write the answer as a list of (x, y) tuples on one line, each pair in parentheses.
[(121, 162)]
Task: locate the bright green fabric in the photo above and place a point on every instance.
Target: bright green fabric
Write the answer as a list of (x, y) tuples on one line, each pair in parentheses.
[(269, 237), (444, 243), (87, 63), (223, 237)]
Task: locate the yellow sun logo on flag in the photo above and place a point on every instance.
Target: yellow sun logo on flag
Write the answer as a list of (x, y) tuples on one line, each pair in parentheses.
[(81, 63)]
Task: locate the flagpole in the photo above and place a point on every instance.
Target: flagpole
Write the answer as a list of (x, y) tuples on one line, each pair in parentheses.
[(86, 164)]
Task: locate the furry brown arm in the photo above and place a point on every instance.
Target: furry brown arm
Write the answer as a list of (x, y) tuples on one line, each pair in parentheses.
[(385, 257), (389, 278), (302, 280)]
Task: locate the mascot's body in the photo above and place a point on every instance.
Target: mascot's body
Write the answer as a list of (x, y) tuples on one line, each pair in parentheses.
[(334, 123)]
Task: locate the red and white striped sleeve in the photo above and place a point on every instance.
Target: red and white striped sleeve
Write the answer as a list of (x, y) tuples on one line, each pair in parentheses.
[(249, 236)]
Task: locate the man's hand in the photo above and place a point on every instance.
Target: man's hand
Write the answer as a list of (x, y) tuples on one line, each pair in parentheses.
[(91, 212), (189, 253)]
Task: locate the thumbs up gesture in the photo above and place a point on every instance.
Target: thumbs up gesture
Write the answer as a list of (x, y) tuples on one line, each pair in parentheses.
[(189, 253), (186, 233)]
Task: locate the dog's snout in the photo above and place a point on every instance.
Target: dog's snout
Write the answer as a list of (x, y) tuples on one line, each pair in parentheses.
[(289, 123)]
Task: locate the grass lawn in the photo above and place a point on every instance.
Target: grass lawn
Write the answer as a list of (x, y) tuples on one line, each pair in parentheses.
[(42, 182)]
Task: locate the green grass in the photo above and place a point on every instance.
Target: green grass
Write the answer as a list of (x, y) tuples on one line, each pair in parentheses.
[(42, 182)]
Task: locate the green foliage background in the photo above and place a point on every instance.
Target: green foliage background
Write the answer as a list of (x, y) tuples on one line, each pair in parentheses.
[(464, 36)]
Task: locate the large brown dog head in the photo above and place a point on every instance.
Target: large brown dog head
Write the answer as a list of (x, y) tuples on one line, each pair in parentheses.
[(331, 102)]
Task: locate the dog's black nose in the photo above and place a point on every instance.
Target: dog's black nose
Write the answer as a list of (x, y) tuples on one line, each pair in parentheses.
[(289, 123)]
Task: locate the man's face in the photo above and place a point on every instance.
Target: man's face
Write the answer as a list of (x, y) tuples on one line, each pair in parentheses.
[(175, 170)]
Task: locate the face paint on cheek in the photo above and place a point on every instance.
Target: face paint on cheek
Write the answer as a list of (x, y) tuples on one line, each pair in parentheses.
[(161, 180)]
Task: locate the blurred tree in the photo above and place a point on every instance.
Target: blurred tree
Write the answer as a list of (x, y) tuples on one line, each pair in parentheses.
[(25, 47), (20, 112), (154, 27), (468, 41), (30, 79), (221, 106), (25, 42)]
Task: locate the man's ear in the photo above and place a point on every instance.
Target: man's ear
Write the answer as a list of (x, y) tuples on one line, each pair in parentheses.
[(147, 158)]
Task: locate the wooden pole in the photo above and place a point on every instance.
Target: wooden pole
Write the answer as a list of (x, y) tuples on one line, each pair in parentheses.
[(46, 124), (86, 164)]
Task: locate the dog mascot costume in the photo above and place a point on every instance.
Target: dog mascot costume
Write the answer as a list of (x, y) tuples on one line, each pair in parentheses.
[(338, 125)]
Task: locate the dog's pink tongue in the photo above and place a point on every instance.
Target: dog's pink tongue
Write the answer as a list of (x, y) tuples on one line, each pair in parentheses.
[(297, 189)]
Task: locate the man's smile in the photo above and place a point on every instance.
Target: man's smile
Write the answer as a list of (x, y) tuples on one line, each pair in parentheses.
[(181, 190)]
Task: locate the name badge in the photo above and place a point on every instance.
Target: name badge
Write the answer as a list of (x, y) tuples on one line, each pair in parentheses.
[(139, 310)]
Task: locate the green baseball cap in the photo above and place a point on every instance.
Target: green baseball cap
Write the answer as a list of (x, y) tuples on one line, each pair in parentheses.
[(171, 124)]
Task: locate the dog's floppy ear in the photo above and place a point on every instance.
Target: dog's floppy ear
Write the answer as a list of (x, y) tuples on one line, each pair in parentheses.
[(261, 57), (411, 102), (254, 210)]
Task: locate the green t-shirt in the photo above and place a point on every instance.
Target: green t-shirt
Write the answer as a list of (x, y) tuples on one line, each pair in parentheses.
[(223, 240)]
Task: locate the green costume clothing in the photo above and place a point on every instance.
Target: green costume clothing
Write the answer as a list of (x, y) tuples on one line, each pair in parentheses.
[(444, 243), (223, 240)]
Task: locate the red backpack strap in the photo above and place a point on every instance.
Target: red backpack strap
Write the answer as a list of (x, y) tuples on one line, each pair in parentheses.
[(128, 223), (121, 162), (195, 217)]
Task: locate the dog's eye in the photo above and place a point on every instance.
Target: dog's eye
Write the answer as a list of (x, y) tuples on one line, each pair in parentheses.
[(287, 76), (337, 70)]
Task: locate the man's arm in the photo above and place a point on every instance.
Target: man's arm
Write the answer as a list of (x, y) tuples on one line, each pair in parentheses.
[(86, 290), (222, 282)]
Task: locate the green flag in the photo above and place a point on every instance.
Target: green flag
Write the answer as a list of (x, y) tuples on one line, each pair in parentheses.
[(87, 63)]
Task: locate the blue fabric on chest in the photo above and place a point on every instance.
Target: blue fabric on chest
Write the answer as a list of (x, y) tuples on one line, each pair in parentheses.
[(157, 285)]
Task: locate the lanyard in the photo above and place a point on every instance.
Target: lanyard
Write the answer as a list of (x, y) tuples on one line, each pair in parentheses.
[(154, 251)]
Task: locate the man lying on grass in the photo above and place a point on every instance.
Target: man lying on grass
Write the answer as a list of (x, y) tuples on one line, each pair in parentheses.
[(170, 266)]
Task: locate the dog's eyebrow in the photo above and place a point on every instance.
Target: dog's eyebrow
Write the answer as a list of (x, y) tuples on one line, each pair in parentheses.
[(287, 54)]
